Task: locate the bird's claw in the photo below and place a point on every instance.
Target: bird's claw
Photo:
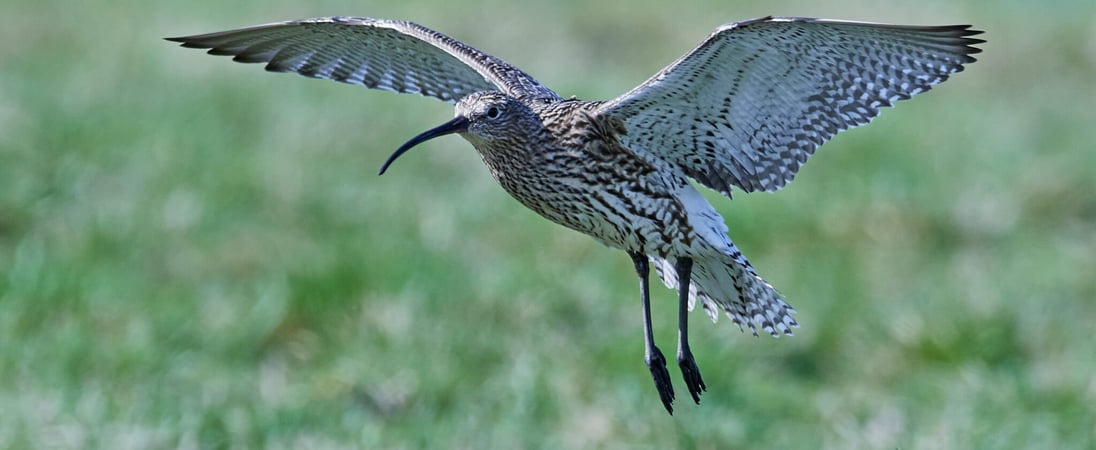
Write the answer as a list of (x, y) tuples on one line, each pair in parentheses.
[(691, 373), (657, 365)]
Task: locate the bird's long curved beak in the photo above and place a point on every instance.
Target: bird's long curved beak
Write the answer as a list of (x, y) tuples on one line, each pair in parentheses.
[(459, 124)]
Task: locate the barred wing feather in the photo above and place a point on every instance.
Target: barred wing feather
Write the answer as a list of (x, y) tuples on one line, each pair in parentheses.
[(749, 105), (380, 54)]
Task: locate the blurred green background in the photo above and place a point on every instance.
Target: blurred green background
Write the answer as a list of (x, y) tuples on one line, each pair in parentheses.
[(198, 254)]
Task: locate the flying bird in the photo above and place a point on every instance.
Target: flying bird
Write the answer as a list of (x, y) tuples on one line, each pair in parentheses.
[(746, 108)]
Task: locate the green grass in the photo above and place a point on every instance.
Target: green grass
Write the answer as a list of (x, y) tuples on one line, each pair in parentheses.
[(197, 254)]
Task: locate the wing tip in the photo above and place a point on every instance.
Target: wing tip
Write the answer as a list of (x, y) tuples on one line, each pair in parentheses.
[(188, 42), (961, 32), (198, 41)]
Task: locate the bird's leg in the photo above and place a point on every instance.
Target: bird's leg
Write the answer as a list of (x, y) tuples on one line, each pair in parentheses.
[(689, 371), (656, 363)]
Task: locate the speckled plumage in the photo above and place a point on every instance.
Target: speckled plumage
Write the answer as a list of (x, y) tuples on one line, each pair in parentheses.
[(745, 109), (639, 205)]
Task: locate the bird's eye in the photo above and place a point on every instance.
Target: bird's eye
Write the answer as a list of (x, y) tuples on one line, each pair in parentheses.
[(493, 113)]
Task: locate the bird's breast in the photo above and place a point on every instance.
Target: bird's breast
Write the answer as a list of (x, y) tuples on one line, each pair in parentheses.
[(582, 178)]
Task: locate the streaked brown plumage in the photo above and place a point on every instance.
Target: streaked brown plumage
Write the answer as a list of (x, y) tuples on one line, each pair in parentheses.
[(746, 108)]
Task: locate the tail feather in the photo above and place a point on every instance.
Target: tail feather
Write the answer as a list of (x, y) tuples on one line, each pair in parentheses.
[(727, 281)]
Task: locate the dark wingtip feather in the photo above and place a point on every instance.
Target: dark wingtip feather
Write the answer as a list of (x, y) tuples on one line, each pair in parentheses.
[(188, 41), (969, 42), (971, 49), (249, 58), (271, 67), (220, 51), (188, 44)]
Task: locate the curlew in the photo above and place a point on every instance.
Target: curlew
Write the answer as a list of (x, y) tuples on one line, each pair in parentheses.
[(746, 108)]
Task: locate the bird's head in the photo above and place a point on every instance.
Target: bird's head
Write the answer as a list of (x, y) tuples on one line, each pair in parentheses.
[(483, 118)]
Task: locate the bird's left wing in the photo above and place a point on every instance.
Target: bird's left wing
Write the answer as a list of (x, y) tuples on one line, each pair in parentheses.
[(376, 53), (749, 105)]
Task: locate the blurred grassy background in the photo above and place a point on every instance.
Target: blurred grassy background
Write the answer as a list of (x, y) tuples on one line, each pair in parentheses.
[(197, 254)]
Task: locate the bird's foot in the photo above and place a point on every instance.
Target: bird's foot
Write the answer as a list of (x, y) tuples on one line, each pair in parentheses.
[(691, 373), (657, 365)]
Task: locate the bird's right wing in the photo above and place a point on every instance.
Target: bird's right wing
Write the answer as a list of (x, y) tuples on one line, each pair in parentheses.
[(749, 105), (380, 54)]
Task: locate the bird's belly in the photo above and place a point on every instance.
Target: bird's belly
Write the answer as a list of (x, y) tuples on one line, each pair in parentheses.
[(638, 223)]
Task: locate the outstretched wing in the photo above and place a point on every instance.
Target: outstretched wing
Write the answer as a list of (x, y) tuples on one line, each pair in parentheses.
[(754, 100), (381, 54)]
